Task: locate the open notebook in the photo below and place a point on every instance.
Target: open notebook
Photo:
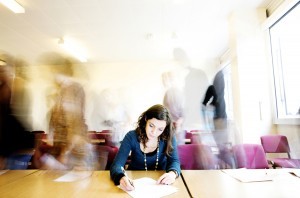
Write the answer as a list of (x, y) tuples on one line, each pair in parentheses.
[(146, 187)]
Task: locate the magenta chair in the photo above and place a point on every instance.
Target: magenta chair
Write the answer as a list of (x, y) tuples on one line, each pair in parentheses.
[(196, 157), (279, 144), (250, 156)]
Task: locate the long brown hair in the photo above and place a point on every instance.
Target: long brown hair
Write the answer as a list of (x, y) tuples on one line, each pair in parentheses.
[(158, 112)]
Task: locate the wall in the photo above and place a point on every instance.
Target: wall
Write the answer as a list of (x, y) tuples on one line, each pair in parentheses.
[(114, 90), (251, 88)]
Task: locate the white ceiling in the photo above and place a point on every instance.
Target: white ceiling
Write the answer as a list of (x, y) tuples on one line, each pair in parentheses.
[(121, 30)]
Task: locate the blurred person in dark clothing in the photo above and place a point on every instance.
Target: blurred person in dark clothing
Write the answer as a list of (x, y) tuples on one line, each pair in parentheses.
[(15, 141), (209, 106), (214, 99), (220, 115)]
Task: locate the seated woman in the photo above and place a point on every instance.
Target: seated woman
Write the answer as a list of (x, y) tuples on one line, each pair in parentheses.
[(152, 145)]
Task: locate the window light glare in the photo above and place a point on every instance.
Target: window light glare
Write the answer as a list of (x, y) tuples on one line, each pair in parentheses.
[(13, 6)]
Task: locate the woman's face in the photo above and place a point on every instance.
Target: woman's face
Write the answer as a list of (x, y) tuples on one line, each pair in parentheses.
[(154, 128)]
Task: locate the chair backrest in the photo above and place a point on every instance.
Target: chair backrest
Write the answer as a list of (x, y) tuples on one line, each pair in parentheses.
[(39, 136), (202, 137), (106, 153), (275, 144), (251, 156), (105, 135), (40, 150), (188, 134), (192, 137), (196, 157)]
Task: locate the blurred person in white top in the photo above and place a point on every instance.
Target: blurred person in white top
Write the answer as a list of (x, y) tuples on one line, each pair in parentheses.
[(71, 148)]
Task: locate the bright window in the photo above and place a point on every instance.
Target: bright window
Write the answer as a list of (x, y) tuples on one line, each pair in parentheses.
[(228, 91)]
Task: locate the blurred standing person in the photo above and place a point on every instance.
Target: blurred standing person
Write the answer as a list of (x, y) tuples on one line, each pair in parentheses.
[(214, 98), (113, 114), (220, 118), (222, 132), (174, 101), (14, 139), (195, 84), (67, 126), (209, 106), (20, 101)]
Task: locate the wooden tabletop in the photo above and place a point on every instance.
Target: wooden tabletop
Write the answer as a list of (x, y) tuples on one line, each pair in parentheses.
[(8, 176), (41, 184), (200, 183), (215, 184)]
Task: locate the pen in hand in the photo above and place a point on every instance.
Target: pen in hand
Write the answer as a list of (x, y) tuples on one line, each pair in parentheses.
[(130, 181)]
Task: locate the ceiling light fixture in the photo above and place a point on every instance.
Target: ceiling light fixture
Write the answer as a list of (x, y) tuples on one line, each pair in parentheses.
[(13, 6), (72, 49)]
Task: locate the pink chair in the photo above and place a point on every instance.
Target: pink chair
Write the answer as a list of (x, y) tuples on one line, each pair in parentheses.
[(250, 156), (193, 136), (196, 157), (188, 135), (279, 144)]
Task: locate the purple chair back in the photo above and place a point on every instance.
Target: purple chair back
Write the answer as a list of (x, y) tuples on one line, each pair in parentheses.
[(188, 135), (275, 144), (193, 136), (250, 156), (196, 157)]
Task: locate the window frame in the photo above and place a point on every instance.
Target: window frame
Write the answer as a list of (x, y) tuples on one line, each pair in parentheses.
[(277, 70)]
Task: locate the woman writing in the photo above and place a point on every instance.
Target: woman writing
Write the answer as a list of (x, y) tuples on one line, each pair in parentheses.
[(153, 147)]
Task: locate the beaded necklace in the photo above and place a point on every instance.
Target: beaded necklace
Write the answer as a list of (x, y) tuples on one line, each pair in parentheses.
[(157, 154)]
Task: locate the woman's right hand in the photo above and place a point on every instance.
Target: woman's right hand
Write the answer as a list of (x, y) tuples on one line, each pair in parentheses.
[(125, 184)]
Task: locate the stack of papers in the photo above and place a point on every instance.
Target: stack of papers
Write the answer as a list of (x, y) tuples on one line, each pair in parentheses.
[(147, 187)]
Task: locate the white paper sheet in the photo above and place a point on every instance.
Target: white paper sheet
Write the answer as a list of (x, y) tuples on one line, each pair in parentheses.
[(3, 171), (251, 175), (147, 188), (74, 176)]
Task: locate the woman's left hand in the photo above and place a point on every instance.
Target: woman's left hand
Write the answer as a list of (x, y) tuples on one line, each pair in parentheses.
[(167, 178)]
